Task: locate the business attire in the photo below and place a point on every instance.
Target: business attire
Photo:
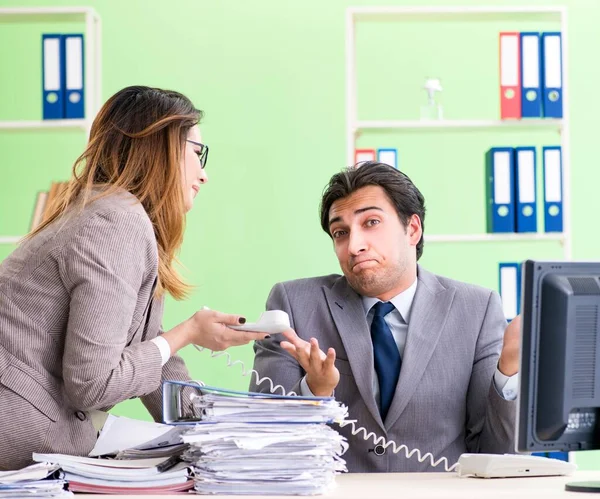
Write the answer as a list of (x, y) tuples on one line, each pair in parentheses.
[(78, 323), (449, 397)]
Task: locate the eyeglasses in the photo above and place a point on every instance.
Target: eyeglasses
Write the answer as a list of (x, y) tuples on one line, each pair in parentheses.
[(203, 154)]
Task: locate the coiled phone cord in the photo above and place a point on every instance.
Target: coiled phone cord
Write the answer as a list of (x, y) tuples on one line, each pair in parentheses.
[(356, 430)]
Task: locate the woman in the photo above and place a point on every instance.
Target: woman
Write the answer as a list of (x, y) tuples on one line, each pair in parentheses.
[(81, 299)]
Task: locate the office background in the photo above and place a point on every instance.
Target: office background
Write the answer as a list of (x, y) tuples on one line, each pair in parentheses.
[(270, 76)]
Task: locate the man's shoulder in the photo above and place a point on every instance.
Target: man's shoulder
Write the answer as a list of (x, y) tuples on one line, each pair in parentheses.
[(306, 285), (461, 288)]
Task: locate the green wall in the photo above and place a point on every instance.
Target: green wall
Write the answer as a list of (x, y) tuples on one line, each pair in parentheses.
[(270, 75)]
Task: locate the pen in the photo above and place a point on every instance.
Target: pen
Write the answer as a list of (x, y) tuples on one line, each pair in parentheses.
[(168, 464)]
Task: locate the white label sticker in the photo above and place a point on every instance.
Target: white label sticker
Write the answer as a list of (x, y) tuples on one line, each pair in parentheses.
[(526, 169), (508, 291), (51, 64), (531, 61), (509, 57), (502, 177), (552, 176), (552, 65)]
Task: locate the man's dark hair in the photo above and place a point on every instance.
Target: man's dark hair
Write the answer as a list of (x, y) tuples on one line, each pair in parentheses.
[(403, 194)]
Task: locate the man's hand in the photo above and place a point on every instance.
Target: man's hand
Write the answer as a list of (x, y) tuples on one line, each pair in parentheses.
[(509, 358), (321, 374)]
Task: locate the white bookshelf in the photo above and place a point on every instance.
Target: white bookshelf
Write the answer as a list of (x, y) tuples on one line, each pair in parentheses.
[(499, 237), (93, 69), (44, 124), (547, 124), (354, 126), (10, 239)]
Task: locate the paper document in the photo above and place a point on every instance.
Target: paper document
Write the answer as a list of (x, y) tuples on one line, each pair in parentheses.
[(37, 471), (120, 433)]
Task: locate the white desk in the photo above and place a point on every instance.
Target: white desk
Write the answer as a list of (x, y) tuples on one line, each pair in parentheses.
[(428, 486)]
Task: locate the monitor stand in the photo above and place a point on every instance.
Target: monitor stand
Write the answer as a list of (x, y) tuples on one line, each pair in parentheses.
[(583, 486), (589, 486)]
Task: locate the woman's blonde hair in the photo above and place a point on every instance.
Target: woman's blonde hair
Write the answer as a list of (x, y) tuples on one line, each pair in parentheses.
[(136, 144)]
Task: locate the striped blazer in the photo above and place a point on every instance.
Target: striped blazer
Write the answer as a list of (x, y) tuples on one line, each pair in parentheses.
[(76, 317)]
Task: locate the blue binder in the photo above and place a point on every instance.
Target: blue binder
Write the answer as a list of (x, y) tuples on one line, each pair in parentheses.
[(553, 195), (388, 157), (52, 78), (509, 279), (552, 74), (525, 189), (73, 75), (500, 189), (531, 91), (562, 456)]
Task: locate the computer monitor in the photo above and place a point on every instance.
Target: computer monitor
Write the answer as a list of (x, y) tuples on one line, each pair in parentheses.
[(559, 381)]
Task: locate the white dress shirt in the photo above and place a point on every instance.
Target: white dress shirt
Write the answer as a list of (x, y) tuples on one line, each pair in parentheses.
[(398, 321), (163, 348)]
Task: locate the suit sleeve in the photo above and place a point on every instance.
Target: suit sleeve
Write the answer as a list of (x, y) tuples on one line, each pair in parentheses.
[(174, 369), (103, 270), (270, 359), (490, 418)]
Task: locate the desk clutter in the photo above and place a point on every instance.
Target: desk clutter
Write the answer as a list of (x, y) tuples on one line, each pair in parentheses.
[(39, 480), (219, 442), (246, 443)]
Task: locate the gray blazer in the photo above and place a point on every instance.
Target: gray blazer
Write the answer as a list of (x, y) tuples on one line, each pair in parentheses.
[(75, 319), (445, 401)]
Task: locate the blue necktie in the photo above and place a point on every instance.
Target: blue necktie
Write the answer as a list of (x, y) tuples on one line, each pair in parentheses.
[(387, 356)]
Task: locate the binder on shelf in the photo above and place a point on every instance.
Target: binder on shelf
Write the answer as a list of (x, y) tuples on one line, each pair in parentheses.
[(362, 155), (553, 200), (388, 156), (531, 92), (73, 67), (510, 75), (552, 74), (509, 275), (52, 78), (525, 191), (500, 189)]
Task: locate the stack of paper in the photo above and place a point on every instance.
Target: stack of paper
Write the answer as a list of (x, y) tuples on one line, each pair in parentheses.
[(111, 476), (40, 480), (225, 405), (251, 443)]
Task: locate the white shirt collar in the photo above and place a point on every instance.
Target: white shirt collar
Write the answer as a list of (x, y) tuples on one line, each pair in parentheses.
[(403, 301)]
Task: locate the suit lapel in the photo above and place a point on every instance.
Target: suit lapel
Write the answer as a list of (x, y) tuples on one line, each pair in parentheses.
[(429, 312), (348, 315)]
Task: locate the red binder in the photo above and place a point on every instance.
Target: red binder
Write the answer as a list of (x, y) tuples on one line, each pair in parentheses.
[(510, 75), (361, 155)]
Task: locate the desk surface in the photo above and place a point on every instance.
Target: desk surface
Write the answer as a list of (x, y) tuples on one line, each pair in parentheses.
[(430, 485)]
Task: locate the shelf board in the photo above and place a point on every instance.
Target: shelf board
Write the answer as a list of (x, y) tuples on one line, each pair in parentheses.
[(44, 14), (43, 124), (465, 13), (545, 123), (10, 239), (499, 237)]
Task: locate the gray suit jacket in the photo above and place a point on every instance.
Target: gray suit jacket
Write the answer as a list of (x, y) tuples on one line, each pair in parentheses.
[(75, 320), (445, 401)]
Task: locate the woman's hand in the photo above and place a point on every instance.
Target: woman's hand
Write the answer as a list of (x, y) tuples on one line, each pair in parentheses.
[(208, 329)]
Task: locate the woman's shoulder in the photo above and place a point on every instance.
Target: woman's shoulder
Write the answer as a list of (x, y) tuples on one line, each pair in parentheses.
[(119, 201), (102, 216)]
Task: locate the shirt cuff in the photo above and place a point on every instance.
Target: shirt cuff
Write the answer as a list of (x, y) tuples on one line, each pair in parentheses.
[(304, 389), (163, 348), (507, 386)]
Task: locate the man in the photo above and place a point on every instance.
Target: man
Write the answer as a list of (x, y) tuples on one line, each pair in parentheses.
[(419, 359)]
